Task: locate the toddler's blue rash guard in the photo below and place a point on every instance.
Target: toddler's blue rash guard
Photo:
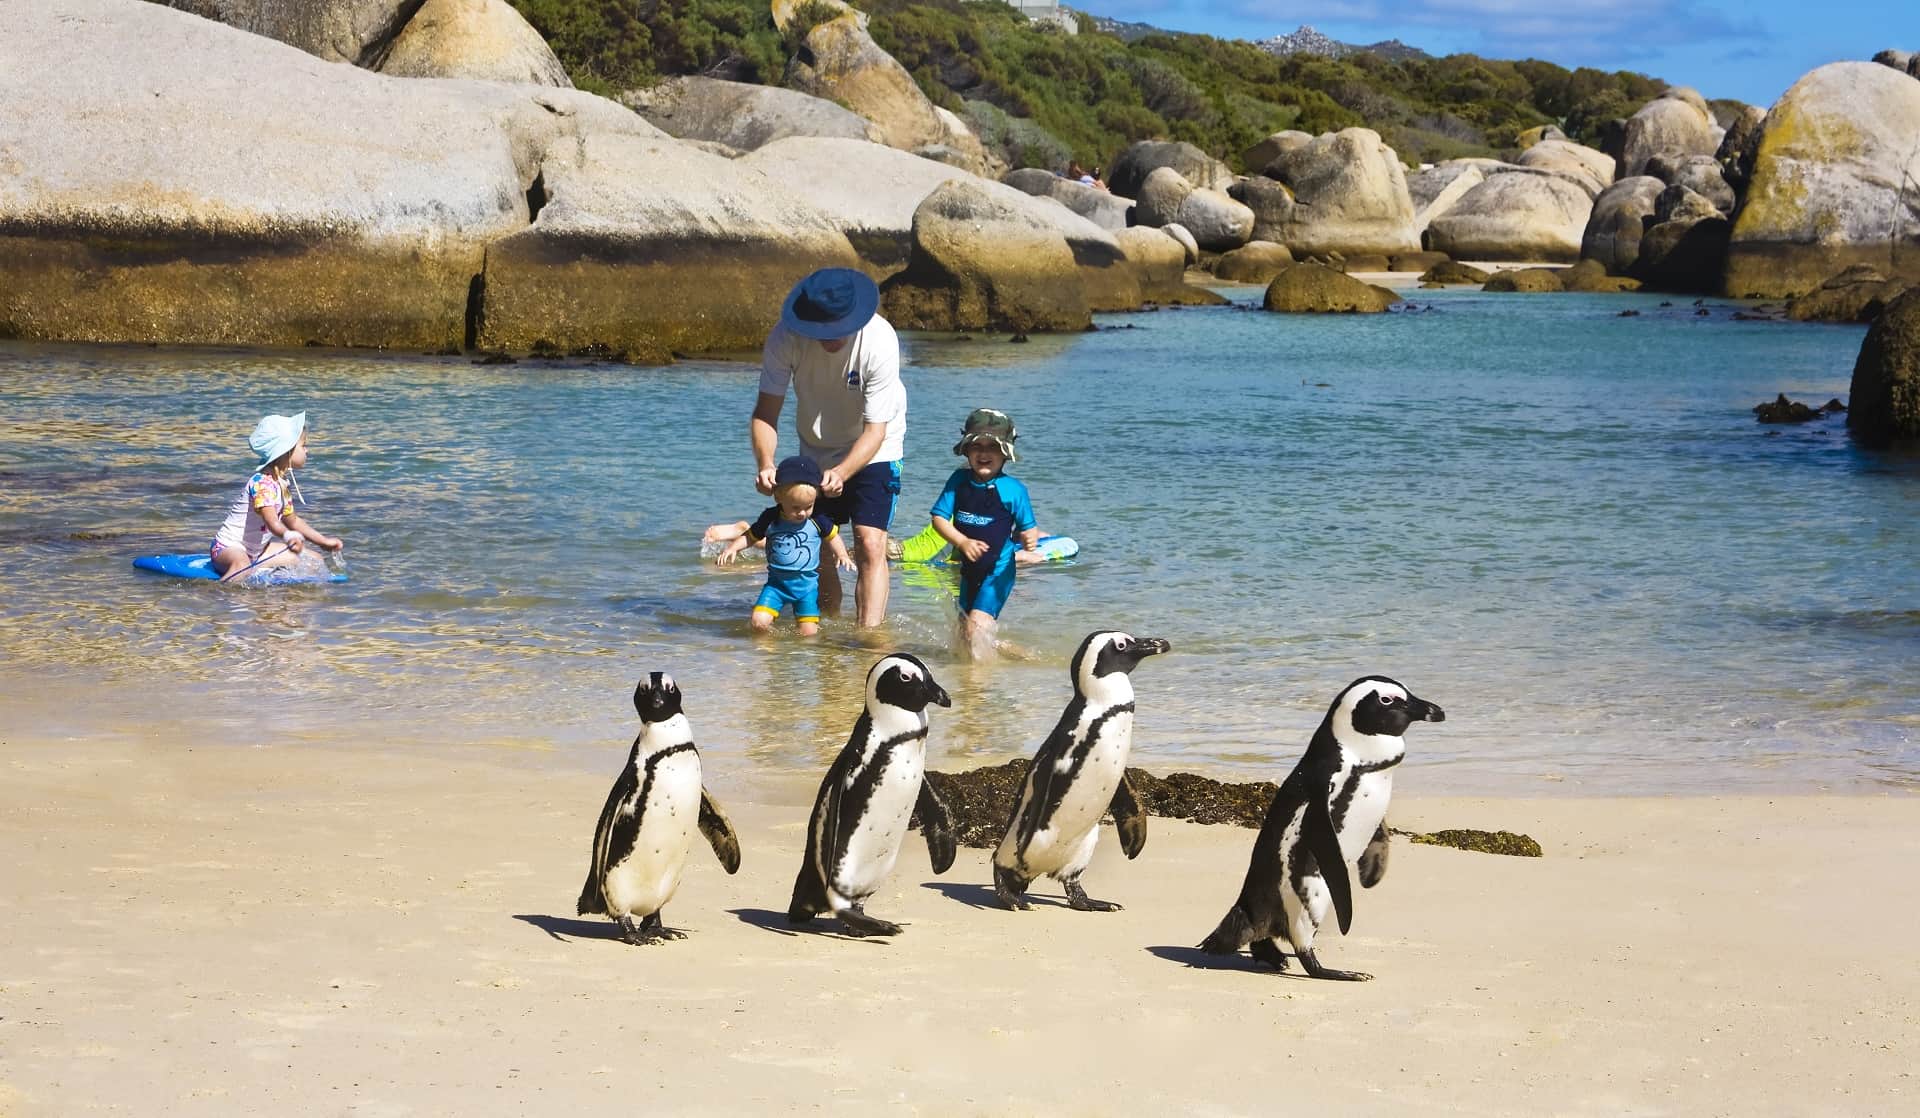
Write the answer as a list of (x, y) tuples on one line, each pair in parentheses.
[(794, 549), (989, 511)]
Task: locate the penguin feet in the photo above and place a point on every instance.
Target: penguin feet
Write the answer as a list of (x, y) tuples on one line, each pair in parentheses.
[(858, 923), (646, 931), (1315, 970), (1268, 952), (1078, 899), (1011, 888)]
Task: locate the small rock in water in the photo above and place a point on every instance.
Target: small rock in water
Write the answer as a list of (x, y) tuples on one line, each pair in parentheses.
[(1832, 406), (1783, 410), (497, 359), (1702, 313), (1666, 304), (1018, 339), (1628, 314)]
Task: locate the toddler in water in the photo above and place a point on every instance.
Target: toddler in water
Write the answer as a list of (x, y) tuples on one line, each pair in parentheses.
[(981, 512), (262, 529), (793, 535)]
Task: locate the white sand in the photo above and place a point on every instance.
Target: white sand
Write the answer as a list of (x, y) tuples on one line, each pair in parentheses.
[(336, 931)]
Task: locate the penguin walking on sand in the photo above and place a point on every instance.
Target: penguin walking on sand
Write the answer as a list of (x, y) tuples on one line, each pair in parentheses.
[(1331, 810), (1078, 776), (871, 791), (640, 846)]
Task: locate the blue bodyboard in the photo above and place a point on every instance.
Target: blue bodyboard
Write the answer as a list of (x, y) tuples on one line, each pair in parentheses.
[(201, 566)]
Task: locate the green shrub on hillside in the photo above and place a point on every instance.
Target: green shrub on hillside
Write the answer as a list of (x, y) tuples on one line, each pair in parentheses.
[(611, 45)]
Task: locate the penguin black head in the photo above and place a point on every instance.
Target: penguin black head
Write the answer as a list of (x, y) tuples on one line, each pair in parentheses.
[(1380, 707), (901, 680), (657, 697), (1107, 651)]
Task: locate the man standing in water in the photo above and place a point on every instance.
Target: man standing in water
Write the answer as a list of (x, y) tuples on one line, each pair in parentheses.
[(850, 409)]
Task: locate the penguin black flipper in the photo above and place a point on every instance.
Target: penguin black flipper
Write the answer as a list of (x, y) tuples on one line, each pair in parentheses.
[(1129, 818), (1044, 786), (936, 823), (606, 850), (1323, 842), (719, 833), (1373, 860)]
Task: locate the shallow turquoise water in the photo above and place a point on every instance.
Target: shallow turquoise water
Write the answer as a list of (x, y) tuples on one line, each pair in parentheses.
[(1562, 525)]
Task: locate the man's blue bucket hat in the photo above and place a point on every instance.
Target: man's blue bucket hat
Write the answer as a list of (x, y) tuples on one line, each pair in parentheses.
[(830, 303), (275, 435)]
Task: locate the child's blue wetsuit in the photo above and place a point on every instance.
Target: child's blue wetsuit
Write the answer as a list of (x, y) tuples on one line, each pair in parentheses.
[(793, 562), (989, 511)]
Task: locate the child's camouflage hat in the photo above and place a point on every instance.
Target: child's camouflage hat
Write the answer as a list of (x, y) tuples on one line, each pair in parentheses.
[(985, 423)]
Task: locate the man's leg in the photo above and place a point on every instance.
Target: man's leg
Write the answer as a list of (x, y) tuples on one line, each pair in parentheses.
[(870, 590)]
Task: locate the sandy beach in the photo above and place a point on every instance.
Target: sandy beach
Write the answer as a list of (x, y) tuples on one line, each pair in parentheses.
[(336, 930)]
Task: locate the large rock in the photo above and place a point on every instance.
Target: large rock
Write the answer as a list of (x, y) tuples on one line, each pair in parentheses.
[(1159, 263), (1107, 210), (1540, 133), (1619, 218), (1897, 59), (1270, 201), (648, 248), (872, 193), (979, 263), (1590, 168), (1591, 276), (1217, 222), (175, 180), (1884, 404), (1676, 121), (1435, 189), (1314, 288), (743, 117), (1833, 184), (1129, 172), (1184, 239), (1453, 272), (1254, 262), (1256, 158), (358, 32), (1738, 146), (1526, 281), (1685, 244), (483, 39), (1698, 173), (1350, 196), (842, 63), (1515, 216), (1858, 294)]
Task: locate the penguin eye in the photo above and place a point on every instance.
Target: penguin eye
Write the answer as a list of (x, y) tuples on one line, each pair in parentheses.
[(1388, 700)]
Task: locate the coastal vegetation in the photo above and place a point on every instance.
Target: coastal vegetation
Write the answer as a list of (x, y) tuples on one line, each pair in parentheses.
[(1040, 97)]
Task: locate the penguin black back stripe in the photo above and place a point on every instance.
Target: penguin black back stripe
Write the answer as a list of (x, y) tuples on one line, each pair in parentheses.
[(1338, 809), (1055, 787), (627, 831), (853, 801)]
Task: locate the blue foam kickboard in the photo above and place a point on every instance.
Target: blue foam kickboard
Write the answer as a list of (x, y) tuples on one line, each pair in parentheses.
[(201, 566)]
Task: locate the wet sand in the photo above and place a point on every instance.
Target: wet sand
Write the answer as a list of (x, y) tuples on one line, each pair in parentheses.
[(336, 930)]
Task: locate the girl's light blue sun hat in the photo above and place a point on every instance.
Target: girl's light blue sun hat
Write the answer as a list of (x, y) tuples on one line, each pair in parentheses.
[(275, 435)]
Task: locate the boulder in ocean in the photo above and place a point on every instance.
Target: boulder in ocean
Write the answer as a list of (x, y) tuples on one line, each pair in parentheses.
[(1676, 121), (1515, 216), (1885, 399), (1105, 209), (1591, 276), (1314, 288), (1618, 221), (979, 263), (1525, 281), (1350, 195), (1453, 272), (1129, 172), (743, 116), (483, 39), (1217, 222), (1833, 184), (1415, 261), (1159, 263), (1857, 294), (1685, 245), (1254, 262)]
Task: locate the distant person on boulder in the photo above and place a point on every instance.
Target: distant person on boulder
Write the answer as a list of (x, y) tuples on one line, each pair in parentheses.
[(843, 361)]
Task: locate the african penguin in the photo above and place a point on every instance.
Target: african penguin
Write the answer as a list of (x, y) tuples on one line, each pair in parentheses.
[(871, 791), (1077, 777), (646, 829), (1331, 810)]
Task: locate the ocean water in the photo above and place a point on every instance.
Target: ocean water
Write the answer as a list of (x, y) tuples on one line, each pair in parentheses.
[(1562, 525)]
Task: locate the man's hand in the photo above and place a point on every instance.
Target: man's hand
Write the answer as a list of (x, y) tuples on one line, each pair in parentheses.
[(831, 483), (763, 481)]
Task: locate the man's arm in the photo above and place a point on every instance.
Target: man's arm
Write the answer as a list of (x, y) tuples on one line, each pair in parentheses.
[(857, 458), (765, 434)]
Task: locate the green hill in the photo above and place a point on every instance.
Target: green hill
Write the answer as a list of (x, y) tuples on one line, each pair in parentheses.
[(1041, 97)]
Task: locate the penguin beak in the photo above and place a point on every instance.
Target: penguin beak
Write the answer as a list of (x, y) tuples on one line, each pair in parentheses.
[(937, 694), (1149, 646), (1424, 711)]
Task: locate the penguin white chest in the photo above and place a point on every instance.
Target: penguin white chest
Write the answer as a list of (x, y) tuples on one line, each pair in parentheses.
[(875, 840), (1060, 840), (1371, 795), (645, 880)]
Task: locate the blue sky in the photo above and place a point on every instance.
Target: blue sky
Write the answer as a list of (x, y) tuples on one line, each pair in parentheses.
[(1748, 49)]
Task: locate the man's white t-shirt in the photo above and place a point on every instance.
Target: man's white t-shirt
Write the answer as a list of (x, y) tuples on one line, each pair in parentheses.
[(837, 394)]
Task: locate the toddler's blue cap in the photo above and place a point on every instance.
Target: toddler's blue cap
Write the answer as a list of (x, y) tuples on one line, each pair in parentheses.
[(830, 303), (798, 470), (275, 435)]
